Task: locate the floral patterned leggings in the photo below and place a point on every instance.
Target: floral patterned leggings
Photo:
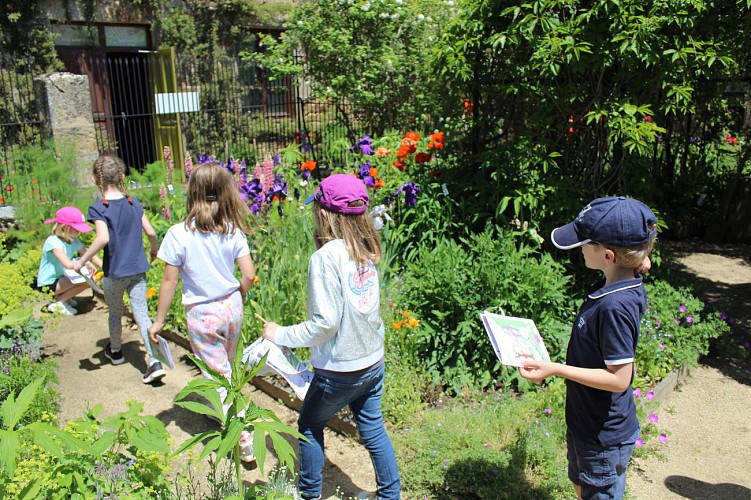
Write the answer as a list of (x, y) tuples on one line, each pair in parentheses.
[(113, 294), (214, 329)]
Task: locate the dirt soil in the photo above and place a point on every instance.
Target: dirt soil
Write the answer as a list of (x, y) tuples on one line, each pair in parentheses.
[(708, 455)]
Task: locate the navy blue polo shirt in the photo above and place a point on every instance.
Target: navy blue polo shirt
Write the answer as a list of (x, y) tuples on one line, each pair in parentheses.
[(124, 255), (606, 332)]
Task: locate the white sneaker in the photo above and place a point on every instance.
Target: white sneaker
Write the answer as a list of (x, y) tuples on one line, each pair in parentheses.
[(61, 308)]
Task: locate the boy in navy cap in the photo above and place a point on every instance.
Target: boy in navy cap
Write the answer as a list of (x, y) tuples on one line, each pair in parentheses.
[(616, 235)]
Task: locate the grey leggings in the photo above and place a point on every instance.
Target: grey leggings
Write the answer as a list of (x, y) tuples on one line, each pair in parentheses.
[(113, 294)]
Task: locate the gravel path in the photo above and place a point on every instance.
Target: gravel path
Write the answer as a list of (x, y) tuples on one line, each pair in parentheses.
[(708, 456)]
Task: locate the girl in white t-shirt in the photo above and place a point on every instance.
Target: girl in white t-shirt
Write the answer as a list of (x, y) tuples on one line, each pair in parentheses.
[(203, 251), (58, 253)]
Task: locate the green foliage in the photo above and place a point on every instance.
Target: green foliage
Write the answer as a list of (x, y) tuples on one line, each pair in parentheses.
[(40, 176), (124, 454), (676, 331), (450, 284), (237, 413), (490, 447), (18, 270), (20, 367), (281, 250), (384, 46)]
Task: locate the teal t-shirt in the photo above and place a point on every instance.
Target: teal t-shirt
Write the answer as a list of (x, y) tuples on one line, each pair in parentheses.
[(51, 268)]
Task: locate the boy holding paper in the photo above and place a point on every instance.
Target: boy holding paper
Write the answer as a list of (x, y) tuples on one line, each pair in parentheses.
[(616, 236)]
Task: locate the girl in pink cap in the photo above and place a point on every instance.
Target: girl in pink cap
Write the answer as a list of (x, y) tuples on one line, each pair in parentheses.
[(58, 252)]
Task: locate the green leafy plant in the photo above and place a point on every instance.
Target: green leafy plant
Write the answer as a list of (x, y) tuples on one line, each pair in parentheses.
[(237, 413), (451, 283)]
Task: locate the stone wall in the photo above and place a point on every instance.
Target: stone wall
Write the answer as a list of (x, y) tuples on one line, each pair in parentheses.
[(68, 119)]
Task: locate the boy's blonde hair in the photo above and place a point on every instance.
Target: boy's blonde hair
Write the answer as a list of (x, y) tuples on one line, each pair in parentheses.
[(214, 203), (357, 231), (62, 231), (633, 257)]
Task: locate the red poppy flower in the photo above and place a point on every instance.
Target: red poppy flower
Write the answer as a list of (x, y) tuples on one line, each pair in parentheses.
[(648, 119), (2, 200), (399, 164), (9, 188), (731, 140), (309, 165), (422, 157)]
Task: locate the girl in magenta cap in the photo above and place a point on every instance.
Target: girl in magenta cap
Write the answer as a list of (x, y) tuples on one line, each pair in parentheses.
[(58, 252), (345, 334)]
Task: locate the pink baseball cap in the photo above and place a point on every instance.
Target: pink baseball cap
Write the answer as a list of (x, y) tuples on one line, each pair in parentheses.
[(70, 216), (337, 191)]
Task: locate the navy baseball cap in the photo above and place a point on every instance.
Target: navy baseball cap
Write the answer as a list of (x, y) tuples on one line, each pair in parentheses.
[(616, 221)]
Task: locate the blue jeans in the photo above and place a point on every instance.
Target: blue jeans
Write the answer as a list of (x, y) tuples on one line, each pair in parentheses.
[(601, 472), (325, 397)]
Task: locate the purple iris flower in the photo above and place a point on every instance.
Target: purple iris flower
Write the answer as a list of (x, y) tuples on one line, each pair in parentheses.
[(410, 193), (305, 175), (276, 159), (365, 144), (205, 158), (251, 190), (278, 189), (364, 174)]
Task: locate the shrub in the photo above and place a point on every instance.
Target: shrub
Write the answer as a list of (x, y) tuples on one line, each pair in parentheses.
[(675, 331), (450, 284)]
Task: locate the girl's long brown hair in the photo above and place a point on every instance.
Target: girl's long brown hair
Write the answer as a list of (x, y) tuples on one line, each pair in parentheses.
[(109, 171), (214, 204), (357, 231)]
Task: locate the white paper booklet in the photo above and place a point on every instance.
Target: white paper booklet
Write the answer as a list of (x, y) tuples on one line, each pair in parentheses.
[(162, 352), (83, 276), (514, 340), (283, 361)]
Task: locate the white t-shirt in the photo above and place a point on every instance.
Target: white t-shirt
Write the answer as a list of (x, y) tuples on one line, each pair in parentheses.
[(206, 261)]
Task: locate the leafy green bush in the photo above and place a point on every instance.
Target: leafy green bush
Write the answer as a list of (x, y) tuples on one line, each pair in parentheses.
[(124, 454), (18, 271), (19, 366), (675, 331), (451, 283)]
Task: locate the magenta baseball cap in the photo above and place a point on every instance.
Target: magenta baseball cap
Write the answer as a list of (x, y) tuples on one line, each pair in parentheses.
[(616, 220), (336, 192), (70, 216)]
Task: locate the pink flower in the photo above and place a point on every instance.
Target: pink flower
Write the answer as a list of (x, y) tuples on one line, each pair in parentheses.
[(682, 309), (639, 443), (677, 321), (650, 396), (653, 418), (689, 319), (663, 438), (662, 346), (637, 393), (548, 411)]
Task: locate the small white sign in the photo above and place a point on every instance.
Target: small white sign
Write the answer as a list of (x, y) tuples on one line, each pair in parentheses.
[(177, 102)]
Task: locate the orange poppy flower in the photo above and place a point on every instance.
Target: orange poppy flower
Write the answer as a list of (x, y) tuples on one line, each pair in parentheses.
[(412, 136), (150, 293), (379, 183), (382, 151), (397, 325), (373, 172), (413, 322), (309, 165), (256, 279)]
